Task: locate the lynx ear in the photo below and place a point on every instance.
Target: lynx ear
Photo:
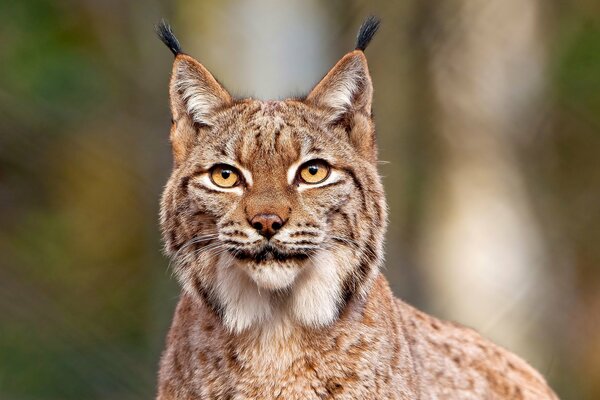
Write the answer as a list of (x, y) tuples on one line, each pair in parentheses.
[(194, 93), (346, 88)]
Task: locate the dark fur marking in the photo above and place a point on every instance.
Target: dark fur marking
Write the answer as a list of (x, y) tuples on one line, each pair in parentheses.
[(277, 137), (238, 233), (301, 242), (359, 185), (303, 233), (366, 32), (355, 281), (175, 244), (344, 216), (353, 225), (334, 388), (269, 253), (210, 302), (234, 242), (345, 243), (166, 35), (184, 184)]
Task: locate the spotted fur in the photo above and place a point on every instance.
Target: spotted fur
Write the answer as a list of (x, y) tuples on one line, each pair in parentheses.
[(304, 313)]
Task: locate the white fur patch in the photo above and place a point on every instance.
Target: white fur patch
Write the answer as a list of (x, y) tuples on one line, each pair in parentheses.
[(198, 99), (199, 91), (339, 97), (293, 170), (316, 295), (343, 87), (273, 276), (311, 301), (243, 303)]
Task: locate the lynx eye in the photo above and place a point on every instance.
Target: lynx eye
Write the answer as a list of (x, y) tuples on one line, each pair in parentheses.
[(224, 176), (315, 171)]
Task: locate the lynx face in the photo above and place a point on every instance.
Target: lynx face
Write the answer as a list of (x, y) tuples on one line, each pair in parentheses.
[(274, 209)]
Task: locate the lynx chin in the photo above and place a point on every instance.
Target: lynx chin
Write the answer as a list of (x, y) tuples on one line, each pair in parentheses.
[(274, 219)]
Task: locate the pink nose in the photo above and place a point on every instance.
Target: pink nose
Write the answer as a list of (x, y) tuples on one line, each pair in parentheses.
[(267, 224)]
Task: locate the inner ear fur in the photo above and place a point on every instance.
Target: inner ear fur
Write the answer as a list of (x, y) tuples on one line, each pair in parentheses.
[(346, 94), (195, 95), (346, 89)]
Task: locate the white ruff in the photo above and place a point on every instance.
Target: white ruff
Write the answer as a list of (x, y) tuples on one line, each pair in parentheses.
[(243, 303), (312, 299), (315, 296), (273, 277)]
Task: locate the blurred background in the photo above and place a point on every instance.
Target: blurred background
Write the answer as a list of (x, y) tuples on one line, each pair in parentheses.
[(488, 117)]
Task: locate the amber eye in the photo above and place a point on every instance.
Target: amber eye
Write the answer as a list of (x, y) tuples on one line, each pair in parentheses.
[(224, 176), (315, 171)]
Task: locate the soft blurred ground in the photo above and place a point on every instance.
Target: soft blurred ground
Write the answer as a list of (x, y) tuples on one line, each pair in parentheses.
[(488, 115)]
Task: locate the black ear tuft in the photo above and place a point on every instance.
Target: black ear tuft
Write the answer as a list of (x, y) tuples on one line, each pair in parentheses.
[(366, 32), (165, 33)]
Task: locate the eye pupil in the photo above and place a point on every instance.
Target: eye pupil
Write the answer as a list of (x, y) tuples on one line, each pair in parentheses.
[(224, 176), (313, 172)]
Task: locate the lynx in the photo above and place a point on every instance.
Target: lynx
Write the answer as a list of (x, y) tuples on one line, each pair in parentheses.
[(274, 219)]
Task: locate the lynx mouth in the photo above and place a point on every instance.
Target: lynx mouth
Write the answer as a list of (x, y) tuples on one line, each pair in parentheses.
[(272, 268), (269, 253)]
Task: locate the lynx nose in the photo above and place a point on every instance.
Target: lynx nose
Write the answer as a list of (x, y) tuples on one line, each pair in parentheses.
[(267, 224)]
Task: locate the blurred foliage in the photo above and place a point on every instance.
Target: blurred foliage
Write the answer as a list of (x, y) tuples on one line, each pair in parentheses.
[(85, 295), (78, 239), (568, 170)]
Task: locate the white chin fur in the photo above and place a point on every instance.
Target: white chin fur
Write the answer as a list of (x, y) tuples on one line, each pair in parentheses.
[(242, 302), (248, 299), (272, 276), (315, 297)]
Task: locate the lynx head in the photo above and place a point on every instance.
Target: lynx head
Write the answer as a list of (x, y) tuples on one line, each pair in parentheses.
[(274, 209)]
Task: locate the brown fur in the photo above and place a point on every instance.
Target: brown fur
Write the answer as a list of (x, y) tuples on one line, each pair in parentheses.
[(310, 317)]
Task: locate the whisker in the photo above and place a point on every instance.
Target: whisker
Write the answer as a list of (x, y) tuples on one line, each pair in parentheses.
[(193, 240), (180, 261)]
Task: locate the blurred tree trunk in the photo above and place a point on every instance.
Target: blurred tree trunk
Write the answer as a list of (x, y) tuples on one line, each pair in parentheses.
[(265, 49), (482, 247)]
